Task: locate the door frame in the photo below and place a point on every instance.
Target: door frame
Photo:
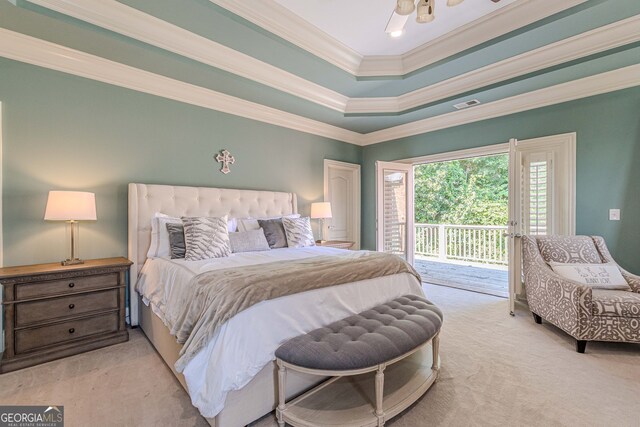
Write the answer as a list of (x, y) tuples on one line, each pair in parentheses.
[(354, 168), (410, 237)]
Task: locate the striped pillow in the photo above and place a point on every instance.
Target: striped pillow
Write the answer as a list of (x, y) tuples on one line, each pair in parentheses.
[(205, 238), (299, 233)]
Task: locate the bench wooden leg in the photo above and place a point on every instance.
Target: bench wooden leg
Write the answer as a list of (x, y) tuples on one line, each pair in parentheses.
[(435, 348), (380, 395), (282, 377)]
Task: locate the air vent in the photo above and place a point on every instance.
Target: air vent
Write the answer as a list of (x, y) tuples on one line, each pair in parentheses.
[(466, 104)]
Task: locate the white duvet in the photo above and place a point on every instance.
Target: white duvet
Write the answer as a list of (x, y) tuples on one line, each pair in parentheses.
[(247, 342)]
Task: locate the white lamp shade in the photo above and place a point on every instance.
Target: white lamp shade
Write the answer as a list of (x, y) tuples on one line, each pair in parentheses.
[(454, 2), (321, 210), (70, 205)]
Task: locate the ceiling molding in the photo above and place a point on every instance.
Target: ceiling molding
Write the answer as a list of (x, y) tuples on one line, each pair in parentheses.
[(280, 21), (115, 16), (582, 45), (125, 20), (19, 47), (285, 24), (610, 81), (23, 48)]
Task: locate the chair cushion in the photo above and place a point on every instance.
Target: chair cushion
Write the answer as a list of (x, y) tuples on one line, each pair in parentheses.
[(615, 303), (568, 249), (366, 339)]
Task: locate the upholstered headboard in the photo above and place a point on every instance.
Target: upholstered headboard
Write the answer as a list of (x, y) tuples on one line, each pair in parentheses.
[(147, 199)]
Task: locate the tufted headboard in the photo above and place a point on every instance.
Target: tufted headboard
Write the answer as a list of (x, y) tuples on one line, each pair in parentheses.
[(147, 199)]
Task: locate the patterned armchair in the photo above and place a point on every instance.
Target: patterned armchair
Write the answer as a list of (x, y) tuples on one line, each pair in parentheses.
[(584, 313)]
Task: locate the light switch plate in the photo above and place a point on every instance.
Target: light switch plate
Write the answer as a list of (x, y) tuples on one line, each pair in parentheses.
[(614, 214)]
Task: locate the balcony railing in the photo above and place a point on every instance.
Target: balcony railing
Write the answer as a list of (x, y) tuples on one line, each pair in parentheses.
[(485, 244)]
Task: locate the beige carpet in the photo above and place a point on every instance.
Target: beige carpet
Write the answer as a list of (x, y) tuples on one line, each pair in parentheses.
[(496, 371)]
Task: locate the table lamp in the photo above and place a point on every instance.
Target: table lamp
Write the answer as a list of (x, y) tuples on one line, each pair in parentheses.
[(71, 206), (321, 210)]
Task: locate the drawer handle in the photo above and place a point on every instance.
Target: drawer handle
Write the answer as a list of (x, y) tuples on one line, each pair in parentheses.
[(71, 285), (71, 306), (71, 330)]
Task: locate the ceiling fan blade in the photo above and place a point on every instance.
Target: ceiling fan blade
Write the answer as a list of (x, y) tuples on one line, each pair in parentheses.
[(495, 1), (396, 23)]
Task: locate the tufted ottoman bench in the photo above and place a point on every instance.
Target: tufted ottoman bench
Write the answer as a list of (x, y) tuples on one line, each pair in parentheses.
[(391, 336)]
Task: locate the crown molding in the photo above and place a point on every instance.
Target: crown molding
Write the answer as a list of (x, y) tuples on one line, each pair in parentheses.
[(19, 47), (280, 21), (125, 20), (285, 24), (115, 16), (582, 45), (610, 81)]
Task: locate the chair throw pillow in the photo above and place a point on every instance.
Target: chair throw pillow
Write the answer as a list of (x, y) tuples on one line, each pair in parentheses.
[(176, 240), (274, 232), (596, 276), (248, 241), (205, 238), (298, 231)]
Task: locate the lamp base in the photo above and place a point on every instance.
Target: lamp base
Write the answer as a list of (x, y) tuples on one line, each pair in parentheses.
[(74, 261)]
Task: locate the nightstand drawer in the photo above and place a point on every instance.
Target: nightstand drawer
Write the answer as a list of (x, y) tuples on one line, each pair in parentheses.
[(71, 285), (56, 308), (34, 338)]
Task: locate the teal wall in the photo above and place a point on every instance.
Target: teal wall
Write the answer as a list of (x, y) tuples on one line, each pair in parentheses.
[(607, 162), (69, 133)]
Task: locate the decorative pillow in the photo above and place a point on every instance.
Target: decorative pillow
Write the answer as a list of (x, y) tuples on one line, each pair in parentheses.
[(246, 224), (205, 238), (298, 231), (274, 232), (160, 245), (597, 276), (176, 240), (248, 241)]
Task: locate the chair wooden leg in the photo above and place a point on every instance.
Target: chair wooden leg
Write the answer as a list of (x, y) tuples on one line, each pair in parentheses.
[(537, 318), (581, 345)]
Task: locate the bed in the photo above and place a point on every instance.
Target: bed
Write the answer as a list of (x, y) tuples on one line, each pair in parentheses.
[(232, 381)]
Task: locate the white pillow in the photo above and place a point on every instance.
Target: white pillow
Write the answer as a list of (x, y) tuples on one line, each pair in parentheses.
[(160, 236), (160, 246), (248, 224), (597, 276)]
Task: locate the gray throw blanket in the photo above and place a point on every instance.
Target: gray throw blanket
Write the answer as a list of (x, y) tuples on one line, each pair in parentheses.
[(218, 295)]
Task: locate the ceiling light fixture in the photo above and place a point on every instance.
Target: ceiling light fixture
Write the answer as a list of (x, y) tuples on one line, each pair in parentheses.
[(426, 11), (405, 7), (454, 2), (396, 34)]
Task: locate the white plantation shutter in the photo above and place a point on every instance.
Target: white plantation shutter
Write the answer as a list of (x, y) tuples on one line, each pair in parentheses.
[(538, 198)]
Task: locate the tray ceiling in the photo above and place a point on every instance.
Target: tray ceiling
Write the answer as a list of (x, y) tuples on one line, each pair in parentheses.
[(360, 24)]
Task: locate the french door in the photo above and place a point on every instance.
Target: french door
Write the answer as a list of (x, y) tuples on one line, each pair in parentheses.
[(395, 231), (541, 196)]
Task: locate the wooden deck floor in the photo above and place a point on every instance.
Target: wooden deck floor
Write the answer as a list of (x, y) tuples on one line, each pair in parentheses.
[(484, 280)]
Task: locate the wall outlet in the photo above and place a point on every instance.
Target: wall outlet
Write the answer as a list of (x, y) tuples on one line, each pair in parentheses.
[(614, 214)]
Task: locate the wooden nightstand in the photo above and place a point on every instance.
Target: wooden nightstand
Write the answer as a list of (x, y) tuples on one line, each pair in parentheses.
[(53, 311), (340, 244)]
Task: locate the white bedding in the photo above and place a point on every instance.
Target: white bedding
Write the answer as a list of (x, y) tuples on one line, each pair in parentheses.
[(247, 342)]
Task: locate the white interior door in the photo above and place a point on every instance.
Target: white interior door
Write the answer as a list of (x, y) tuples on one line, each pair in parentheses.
[(342, 190), (394, 209), (541, 195)]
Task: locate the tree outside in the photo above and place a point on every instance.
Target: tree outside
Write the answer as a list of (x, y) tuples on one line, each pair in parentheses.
[(463, 192)]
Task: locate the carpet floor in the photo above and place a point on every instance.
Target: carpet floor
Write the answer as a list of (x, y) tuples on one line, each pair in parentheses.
[(496, 370)]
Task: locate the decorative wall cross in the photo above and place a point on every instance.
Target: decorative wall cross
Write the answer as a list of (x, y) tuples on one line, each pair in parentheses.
[(226, 159)]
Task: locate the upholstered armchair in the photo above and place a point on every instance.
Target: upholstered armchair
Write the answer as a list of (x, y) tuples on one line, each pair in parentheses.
[(585, 313)]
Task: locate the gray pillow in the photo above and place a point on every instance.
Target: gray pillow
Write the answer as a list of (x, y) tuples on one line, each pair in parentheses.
[(176, 240), (274, 232), (248, 241)]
